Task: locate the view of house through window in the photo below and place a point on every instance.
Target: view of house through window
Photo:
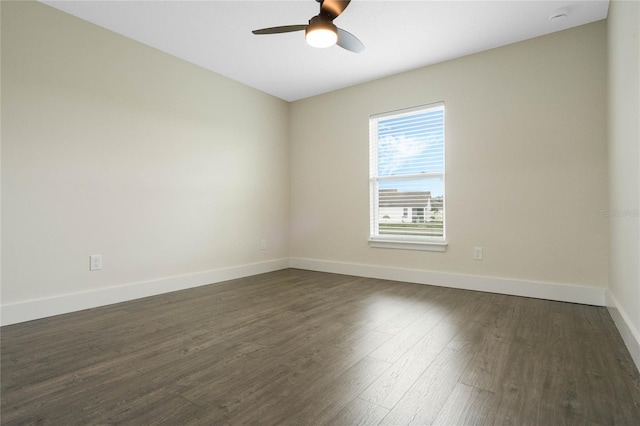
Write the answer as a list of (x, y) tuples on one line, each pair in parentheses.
[(407, 175)]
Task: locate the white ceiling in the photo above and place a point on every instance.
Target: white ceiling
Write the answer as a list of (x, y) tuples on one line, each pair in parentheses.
[(398, 35)]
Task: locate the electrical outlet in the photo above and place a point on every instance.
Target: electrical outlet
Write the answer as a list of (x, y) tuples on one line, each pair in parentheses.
[(477, 253), (263, 244), (95, 262)]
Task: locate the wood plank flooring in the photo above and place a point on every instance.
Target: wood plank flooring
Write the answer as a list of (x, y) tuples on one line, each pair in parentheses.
[(302, 348)]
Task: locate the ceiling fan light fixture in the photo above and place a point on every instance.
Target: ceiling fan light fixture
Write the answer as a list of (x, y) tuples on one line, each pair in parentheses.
[(321, 33)]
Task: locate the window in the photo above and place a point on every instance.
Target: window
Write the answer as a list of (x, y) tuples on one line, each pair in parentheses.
[(407, 178)]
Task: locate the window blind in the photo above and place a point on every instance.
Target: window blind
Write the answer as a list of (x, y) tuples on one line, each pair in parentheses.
[(407, 171)]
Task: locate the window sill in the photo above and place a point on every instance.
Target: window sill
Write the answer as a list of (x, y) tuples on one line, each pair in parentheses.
[(408, 245)]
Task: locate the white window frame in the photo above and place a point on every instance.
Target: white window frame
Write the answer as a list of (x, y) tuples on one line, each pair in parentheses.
[(408, 242)]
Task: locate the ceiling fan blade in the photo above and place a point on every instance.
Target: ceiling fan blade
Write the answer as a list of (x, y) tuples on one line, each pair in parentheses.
[(333, 8), (348, 41), (279, 30)]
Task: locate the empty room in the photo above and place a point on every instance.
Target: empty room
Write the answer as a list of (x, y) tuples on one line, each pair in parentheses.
[(320, 212)]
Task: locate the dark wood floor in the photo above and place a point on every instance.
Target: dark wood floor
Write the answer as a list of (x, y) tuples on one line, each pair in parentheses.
[(299, 347)]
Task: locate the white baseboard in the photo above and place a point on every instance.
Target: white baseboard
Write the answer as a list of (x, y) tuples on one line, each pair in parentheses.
[(41, 308), (629, 333), (540, 290)]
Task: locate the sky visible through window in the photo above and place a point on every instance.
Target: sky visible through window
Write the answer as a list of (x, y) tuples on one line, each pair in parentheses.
[(412, 144)]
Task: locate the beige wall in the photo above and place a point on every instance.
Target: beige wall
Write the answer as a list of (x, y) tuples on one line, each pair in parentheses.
[(526, 160), (624, 159), (110, 147)]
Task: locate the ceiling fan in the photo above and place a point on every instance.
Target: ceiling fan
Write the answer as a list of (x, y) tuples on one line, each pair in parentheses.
[(321, 31)]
